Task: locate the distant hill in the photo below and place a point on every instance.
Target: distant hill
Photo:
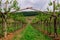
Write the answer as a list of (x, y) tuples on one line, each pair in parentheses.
[(29, 13), (32, 13)]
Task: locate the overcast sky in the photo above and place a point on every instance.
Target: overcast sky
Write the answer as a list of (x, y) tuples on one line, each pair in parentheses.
[(37, 4)]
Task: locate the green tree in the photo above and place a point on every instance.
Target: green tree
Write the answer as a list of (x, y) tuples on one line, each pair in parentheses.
[(54, 15), (8, 6)]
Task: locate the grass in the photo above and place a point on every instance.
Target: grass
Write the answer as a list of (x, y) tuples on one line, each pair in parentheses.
[(31, 34)]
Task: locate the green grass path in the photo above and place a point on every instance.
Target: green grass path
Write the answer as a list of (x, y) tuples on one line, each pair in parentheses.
[(29, 33)]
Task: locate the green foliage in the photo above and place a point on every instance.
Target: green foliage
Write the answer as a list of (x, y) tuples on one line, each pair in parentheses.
[(48, 9), (12, 4), (44, 26), (13, 27), (35, 20), (15, 5), (1, 31), (50, 4), (0, 20), (41, 17), (58, 5), (17, 17)]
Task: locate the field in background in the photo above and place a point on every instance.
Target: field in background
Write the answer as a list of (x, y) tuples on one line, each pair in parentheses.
[(37, 24)]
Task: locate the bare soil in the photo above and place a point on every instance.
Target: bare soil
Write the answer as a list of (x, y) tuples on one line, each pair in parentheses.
[(10, 36)]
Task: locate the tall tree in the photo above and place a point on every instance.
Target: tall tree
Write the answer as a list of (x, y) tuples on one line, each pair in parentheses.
[(5, 8), (55, 7)]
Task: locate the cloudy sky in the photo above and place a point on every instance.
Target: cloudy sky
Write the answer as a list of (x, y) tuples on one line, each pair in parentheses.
[(37, 4)]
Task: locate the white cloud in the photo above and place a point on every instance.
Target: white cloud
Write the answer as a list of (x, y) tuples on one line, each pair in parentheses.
[(38, 4)]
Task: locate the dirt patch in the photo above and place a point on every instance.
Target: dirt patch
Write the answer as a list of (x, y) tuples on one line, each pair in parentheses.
[(11, 35)]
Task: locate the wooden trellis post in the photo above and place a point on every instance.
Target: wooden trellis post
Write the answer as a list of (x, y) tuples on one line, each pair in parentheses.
[(4, 24), (55, 19)]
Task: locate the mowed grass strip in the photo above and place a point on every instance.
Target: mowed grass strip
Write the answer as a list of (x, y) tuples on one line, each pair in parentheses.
[(29, 33)]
